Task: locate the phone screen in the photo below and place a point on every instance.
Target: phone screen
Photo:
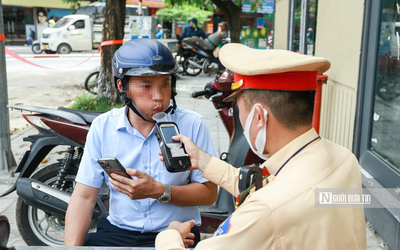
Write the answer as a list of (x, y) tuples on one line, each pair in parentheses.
[(168, 132)]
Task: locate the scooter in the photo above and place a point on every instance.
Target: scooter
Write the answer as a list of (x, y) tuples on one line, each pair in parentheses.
[(196, 59), (36, 47), (44, 195)]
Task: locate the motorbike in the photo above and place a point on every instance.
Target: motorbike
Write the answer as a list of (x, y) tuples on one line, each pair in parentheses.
[(36, 47), (388, 77), (44, 193), (195, 60)]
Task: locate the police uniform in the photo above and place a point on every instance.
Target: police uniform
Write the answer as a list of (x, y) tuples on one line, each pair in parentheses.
[(282, 214)]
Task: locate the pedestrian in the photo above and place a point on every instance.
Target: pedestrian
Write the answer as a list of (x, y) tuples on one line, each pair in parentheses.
[(159, 32), (143, 72), (274, 91)]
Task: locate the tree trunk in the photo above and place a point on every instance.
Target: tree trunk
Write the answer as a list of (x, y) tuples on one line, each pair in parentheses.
[(233, 11), (113, 29)]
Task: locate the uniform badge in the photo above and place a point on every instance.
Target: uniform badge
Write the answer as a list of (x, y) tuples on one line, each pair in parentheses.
[(237, 84), (224, 227)]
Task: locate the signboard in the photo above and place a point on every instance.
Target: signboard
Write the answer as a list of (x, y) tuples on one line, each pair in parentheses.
[(142, 27), (254, 37), (148, 3), (267, 7)]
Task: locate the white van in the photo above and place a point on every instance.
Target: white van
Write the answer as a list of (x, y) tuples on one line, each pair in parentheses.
[(70, 33), (82, 31)]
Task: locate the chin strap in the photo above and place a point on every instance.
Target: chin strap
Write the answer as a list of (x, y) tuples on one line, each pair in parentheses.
[(128, 102)]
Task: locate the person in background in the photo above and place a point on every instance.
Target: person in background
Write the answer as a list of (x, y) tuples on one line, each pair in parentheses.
[(42, 23), (159, 32), (212, 41), (190, 31), (193, 30)]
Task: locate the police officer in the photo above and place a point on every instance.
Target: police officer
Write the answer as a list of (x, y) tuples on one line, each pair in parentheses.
[(275, 96)]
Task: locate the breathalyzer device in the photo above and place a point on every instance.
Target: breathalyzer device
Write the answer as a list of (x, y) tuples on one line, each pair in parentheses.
[(175, 157)]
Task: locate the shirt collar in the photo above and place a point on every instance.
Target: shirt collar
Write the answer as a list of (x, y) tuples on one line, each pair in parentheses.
[(123, 122), (276, 161)]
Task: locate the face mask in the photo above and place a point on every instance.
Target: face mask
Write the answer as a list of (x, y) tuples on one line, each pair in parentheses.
[(261, 136)]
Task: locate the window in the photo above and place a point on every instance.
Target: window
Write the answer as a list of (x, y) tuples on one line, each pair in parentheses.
[(377, 140), (80, 24), (303, 16)]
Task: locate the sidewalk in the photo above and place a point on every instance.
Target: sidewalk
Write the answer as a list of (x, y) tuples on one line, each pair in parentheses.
[(185, 86)]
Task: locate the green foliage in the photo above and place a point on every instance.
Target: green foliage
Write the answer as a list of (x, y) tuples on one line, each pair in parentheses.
[(73, 3), (184, 13), (87, 101)]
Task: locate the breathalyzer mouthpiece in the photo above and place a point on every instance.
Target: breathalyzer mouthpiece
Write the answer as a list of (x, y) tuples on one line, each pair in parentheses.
[(162, 117)]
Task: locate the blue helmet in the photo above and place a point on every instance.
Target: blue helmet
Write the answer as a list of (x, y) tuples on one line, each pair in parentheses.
[(141, 57)]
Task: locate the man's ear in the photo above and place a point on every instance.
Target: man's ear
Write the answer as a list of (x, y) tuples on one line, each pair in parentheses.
[(119, 85), (259, 115)]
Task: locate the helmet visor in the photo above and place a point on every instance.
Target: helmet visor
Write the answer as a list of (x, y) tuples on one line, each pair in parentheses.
[(156, 69)]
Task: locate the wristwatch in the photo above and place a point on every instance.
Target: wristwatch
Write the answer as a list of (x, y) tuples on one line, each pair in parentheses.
[(166, 196)]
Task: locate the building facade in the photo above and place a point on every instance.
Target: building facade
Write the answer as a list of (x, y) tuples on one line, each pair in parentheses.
[(361, 100)]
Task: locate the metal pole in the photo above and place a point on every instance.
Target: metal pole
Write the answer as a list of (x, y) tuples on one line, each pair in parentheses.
[(6, 156), (140, 8), (303, 26), (291, 25)]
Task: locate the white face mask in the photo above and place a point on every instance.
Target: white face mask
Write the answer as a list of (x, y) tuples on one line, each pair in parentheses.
[(261, 136)]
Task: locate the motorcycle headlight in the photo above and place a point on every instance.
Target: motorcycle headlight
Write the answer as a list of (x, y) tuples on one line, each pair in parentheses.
[(54, 35)]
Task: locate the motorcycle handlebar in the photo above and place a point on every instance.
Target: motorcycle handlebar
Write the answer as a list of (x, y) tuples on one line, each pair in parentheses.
[(200, 93)]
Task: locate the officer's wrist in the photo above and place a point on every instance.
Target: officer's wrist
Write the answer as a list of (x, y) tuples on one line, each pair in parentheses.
[(204, 158)]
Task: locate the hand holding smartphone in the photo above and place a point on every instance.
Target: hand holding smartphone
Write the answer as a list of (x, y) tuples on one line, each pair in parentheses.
[(112, 165)]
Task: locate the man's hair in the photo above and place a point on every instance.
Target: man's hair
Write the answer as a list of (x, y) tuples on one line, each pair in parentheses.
[(226, 25), (292, 109)]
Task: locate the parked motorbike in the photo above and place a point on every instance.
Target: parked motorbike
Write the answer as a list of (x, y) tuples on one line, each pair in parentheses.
[(388, 77), (36, 47), (196, 59), (92, 80), (44, 193)]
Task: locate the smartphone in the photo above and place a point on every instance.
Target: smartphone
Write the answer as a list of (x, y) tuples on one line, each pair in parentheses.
[(112, 165), (175, 157)]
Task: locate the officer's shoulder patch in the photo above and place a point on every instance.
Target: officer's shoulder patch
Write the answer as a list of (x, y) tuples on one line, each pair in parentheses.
[(224, 227)]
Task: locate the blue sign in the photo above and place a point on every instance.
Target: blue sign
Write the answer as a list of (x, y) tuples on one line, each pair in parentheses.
[(267, 7)]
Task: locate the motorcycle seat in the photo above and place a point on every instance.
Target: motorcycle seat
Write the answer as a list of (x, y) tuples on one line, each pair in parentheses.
[(87, 116), (210, 52)]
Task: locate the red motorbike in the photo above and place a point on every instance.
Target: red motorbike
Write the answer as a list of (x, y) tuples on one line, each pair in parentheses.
[(388, 77)]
